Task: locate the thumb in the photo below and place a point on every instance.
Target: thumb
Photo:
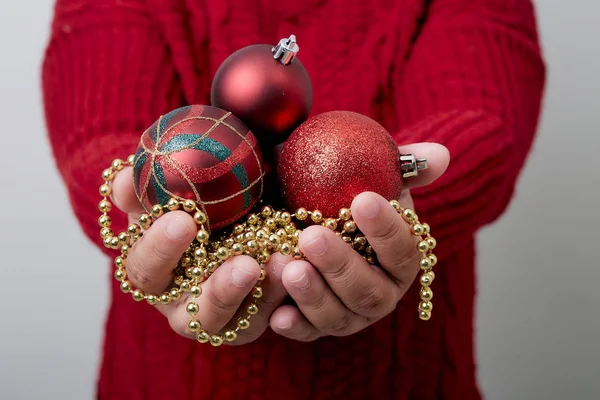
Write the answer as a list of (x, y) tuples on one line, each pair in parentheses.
[(438, 159)]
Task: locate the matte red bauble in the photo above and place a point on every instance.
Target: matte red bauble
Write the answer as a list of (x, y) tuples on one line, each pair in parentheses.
[(333, 157), (267, 88), (200, 153)]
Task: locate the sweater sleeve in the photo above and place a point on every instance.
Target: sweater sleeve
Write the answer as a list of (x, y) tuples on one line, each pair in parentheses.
[(106, 76), (474, 83)]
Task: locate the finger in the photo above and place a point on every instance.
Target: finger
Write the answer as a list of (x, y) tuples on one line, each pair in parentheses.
[(274, 294), (317, 302), (225, 291), (438, 159), (389, 235), (155, 255), (363, 289), (123, 193), (289, 322)]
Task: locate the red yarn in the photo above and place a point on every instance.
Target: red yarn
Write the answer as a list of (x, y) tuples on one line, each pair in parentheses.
[(465, 74)]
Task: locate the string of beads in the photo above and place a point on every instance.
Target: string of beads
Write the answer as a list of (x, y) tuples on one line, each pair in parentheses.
[(262, 233)]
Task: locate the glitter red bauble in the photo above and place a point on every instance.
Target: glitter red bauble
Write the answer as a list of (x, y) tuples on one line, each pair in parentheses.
[(333, 157), (204, 154), (271, 98)]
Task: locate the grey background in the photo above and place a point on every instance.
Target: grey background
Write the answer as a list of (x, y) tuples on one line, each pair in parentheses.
[(538, 304)]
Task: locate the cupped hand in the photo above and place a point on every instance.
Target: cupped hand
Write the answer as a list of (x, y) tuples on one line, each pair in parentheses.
[(153, 258), (336, 291)]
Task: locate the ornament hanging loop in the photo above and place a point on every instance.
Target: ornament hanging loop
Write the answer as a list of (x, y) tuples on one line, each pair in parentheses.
[(286, 50), (411, 165)]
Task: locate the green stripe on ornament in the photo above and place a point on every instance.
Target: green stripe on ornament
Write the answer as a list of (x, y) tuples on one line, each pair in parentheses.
[(159, 176)]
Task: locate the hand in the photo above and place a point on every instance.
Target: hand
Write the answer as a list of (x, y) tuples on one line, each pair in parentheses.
[(155, 255), (336, 291)]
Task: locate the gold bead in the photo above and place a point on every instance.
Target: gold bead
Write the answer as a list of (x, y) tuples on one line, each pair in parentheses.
[(425, 264), (286, 217), (424, 315), (360, 241), (263, 275), (237, 248), (173, 204), (239, 238), (253, 219), (118, 164), (125, 249), (131, 159), (296, 235), (249, 235), (350, 226), (197, 272), (426, 293), (138, 295), (119, 261), (431, 242), (194, 325), (107, 241), (105, 221), (347, 239), (216, 340), (152, 299), (185, 286), (195, 291), (222, 253), (316, 216), (425, 228), (290, 229), (274, 239), (212, 266), (425, 280), (105, 190), (230, 336), (192, 308), (229, 242), (432, 274), (345, 214), (396, 205), (301, 214), (202, 337), (200, 253), (200, 218), (330, 223), (277, 215), (267, 211), (271, 224), (125, 286), (417, 229), (123, 238), (104, 206), (164, 299), (257, 293), (262, 235), (409, 215), (114, 243), (281, 234), (105, 232), (134, 229), (371, 260), (422, 246), (243, 323), (252, 309), (426, 306), (185, 261), (108, 174), (189, 205), (145, 221), (286, 249), (175, 294), (238, 229), (297, 253), (433, 259), (120, 275), (157, 211)]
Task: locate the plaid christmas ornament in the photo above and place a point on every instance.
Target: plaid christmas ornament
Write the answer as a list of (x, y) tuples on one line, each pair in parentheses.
[(204, 154)]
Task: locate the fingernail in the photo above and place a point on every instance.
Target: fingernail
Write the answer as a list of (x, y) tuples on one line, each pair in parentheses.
[(177, 229), (369, 207), (301, 282), (316, 246), (241, 277)]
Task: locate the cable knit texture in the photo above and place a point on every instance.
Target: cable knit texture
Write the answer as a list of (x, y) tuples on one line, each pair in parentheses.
[(466, 74)]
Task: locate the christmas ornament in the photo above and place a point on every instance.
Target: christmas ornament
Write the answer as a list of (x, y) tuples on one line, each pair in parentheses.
[(266, 87), (200, 153), (333, 157)]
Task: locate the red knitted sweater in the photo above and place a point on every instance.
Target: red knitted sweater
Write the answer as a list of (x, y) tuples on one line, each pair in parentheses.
[(468, 74)]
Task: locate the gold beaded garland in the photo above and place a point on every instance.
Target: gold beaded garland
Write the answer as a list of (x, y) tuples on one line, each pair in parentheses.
[(262, 234)]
